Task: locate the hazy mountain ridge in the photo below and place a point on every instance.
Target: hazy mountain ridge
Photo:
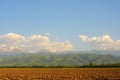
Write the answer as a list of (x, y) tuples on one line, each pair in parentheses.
[(56, 59)]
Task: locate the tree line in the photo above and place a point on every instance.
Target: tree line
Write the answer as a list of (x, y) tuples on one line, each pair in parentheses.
[(90, 65)]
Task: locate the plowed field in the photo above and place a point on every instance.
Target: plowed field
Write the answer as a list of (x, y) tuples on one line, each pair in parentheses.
[(59, 73)]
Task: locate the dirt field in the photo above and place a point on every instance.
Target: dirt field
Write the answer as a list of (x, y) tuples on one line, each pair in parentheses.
[(59, 74)]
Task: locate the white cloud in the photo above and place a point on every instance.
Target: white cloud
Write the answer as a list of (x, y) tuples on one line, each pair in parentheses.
[(9, 42), (104, 42), (34, 43), (83, 38)]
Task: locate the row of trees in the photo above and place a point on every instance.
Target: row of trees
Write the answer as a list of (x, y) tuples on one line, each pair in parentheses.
[(90, 65)]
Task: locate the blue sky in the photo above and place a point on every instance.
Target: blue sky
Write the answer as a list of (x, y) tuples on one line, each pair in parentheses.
[(63, 19)]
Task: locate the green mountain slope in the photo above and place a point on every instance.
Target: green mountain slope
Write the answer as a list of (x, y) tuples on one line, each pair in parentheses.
[(56, 59)]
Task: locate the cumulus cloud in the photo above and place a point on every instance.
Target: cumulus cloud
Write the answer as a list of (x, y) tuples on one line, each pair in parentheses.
[(9, 42), (34, 43), (83, 38), (104, 42)]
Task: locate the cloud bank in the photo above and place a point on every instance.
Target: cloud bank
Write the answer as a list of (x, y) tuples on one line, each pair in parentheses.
[(104, 42), (14, 42)]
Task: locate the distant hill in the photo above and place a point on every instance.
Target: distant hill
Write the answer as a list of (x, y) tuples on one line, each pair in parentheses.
[(48, 59)]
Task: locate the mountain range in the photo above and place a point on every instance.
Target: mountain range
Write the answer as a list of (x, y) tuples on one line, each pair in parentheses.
[(71, 58)]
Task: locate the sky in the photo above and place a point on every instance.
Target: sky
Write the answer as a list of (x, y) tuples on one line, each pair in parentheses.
[(62, 25)]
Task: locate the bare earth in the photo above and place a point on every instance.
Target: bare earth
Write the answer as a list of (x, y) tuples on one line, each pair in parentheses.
[(59, 73)]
